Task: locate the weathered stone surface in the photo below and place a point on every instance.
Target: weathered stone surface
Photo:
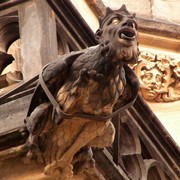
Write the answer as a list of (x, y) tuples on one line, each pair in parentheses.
[(167, 10), (86, 13), (169, 114), (39, 42), (12, 114), (140, 7), (12, 159)]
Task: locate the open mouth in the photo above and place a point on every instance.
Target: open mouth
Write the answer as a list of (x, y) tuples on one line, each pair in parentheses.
[(127, 34)]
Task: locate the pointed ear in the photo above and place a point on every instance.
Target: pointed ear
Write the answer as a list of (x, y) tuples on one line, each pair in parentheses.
[(98, 33)]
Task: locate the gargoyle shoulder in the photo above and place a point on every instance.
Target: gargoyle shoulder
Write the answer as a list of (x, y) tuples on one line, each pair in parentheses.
[(53, 75)]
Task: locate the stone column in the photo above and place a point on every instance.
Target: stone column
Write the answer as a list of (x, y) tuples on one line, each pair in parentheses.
[(38, 36)]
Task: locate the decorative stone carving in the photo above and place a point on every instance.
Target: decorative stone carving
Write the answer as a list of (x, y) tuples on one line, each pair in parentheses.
[(5, 60), (135, 157), (9, 78), (159, 77), (76, 97)]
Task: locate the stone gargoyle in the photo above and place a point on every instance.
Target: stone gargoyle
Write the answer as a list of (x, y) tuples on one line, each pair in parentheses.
[(78, 94)]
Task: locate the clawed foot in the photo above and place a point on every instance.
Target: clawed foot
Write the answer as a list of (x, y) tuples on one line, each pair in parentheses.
[(60, 169), (27, 159)]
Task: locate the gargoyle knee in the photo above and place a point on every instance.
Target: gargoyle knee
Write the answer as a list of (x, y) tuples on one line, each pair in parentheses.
[(105, 139)]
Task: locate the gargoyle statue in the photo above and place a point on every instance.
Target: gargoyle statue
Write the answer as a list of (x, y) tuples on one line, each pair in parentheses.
[(77, 96)]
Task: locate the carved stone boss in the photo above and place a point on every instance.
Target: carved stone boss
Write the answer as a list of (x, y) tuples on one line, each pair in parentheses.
[(78, 94), (159, 77)]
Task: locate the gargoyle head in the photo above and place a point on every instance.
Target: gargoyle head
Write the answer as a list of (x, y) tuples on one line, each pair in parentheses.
[(118, 28)]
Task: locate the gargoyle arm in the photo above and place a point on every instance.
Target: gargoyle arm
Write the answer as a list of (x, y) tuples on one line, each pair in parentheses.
[(131, 89)]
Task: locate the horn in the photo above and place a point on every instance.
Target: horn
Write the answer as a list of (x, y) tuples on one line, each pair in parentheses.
[(108, 11), (100, 19), (123, 8)]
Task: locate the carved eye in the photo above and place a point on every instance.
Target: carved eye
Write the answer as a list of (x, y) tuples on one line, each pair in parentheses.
[(115, 21), (147, 77), (158, 78)]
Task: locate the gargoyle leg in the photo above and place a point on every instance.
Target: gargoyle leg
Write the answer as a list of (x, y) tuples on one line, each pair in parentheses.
[(90, 131)]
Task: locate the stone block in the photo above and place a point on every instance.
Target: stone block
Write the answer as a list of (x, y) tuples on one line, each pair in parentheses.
[(167, 10), (38, 36), (140, 7)]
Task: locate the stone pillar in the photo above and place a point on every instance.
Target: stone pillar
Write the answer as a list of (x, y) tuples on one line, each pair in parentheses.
[(38, 36)]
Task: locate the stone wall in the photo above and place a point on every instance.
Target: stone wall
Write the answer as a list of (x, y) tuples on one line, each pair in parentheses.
[(165, 10)]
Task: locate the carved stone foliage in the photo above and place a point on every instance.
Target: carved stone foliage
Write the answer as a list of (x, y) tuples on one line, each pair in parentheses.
[(159, 77)]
